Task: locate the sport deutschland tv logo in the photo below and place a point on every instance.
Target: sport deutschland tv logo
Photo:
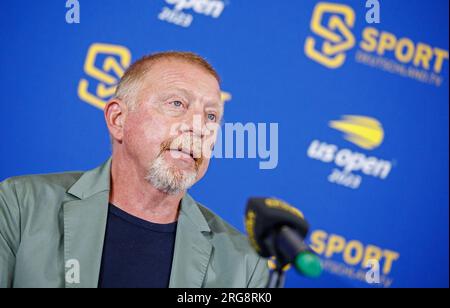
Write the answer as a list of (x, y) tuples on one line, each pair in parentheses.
[(332, 53), (350, 166), (332, 39)]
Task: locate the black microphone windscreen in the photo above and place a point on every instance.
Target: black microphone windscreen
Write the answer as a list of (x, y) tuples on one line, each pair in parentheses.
[(265, 216)]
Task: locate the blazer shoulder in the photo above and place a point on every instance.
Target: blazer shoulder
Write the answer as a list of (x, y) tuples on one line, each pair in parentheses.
[(57, 182)]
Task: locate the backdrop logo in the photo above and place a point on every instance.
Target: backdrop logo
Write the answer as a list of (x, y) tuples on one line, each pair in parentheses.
[(177, 14), (377, 48), (365, 132), (105, 64), (336, 33), (354, 259), (350, 166)]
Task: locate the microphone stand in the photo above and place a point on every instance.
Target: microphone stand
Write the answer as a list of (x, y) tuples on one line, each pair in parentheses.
[(277, 277)]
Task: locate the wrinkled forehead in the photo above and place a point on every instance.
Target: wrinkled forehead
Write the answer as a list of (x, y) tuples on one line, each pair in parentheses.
[(187, 78)]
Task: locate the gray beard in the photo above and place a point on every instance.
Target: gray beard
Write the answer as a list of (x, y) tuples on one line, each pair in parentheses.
[(169, 179)]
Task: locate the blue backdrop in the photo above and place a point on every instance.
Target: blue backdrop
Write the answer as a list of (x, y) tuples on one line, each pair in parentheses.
[(373, 185)]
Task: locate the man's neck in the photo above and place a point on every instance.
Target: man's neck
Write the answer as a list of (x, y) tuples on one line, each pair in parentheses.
[(136, 196)]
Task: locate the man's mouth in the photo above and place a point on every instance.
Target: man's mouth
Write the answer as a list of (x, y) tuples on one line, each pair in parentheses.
[(184, 153)]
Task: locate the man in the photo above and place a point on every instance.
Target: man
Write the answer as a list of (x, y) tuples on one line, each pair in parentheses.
[(130, 222)]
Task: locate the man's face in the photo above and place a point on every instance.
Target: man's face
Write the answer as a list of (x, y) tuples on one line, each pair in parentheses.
[(171, 131)]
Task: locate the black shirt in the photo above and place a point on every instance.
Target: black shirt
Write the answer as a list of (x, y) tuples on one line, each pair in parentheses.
[(136, 253)]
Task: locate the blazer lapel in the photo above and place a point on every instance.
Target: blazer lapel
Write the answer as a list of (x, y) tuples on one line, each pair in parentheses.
[(84, 227), (192, 249), (85, 221)]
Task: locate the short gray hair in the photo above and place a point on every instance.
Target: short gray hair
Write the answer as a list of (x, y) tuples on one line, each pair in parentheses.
[(131, 82)]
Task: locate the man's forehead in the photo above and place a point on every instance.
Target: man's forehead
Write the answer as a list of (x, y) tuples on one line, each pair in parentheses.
[(178, 70), (184, 79)]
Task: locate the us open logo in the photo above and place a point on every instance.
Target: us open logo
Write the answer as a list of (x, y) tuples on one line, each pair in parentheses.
[(178, 12), (350, 166)]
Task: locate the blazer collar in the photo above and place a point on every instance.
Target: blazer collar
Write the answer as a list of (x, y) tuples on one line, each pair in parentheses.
[(85, 221), (193, 249), (92, 181)]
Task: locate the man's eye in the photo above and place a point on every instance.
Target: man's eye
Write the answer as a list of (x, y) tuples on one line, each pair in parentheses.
[(177, 103), (212, 117)]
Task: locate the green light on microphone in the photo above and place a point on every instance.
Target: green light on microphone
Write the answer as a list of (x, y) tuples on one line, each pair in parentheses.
[(308, 264)]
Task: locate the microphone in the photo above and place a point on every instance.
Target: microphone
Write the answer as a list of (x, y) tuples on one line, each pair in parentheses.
[(276, 229)]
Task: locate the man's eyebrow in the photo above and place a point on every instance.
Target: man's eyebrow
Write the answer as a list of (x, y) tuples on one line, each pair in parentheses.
[(209, 103), (214, 104)]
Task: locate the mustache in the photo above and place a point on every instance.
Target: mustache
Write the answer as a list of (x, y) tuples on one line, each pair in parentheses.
[(186, 143)]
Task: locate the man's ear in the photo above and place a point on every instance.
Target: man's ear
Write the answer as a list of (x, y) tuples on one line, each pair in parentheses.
[(115, 114)]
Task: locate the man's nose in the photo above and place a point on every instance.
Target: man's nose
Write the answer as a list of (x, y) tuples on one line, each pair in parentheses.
[(195, 122)]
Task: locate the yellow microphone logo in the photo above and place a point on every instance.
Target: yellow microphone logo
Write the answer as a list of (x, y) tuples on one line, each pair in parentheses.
[(365, 132)]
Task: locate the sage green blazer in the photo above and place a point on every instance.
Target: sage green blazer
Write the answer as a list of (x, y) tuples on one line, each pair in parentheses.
[(48, 222)]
